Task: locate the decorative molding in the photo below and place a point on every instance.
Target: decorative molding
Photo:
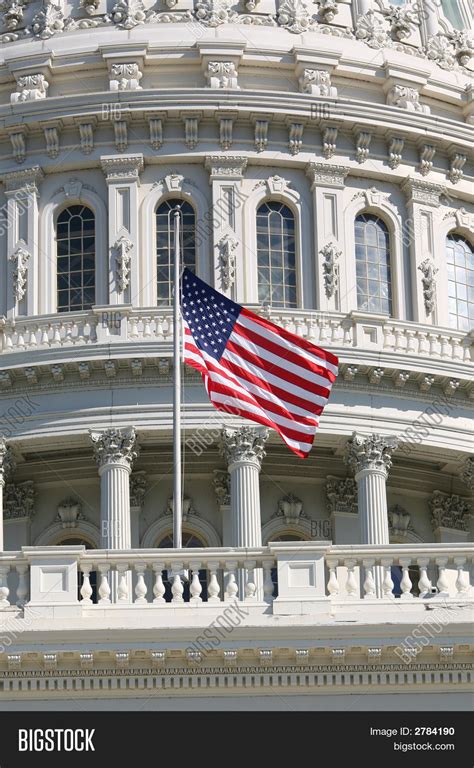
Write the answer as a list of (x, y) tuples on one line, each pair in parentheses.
[(456, 165), (125, 77), (363, 139), (121, 248), (325, 175), (213, 13), (230, 166), (466, 472), (191, 130), (427, 153), (7, 461), (227, 246), (261, 135), (128, 14), (317, 82), (276, 185), (295, 137), (221, 482), (187, 507), (373, 29), (330, 255), (428, 270), (155, 125), (399, 521), (449, 511), (296, 15), (406, 98), (329, 141), (48, 21), (372, 453), (19, 259), (69, 513), (115, 446), (12, 13), (19, 500), (86, 137), (51, 136), (222, 74), (121, 135), (30, 88), (425, 192), (18, 144), (226, 125), (395, 149), (341, 494), (122, 169), (243, 444)]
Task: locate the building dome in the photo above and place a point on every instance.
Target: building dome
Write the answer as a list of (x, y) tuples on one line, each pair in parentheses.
[(321, 156)]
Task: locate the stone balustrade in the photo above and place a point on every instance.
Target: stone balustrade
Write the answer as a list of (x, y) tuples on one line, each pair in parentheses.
[(298, 577), (329, 329)]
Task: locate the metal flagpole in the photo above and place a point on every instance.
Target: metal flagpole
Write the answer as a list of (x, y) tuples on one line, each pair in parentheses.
[(177, 506)]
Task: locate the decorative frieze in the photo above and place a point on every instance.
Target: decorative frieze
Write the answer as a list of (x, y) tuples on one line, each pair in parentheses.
[(128, 14), (187, 507), (407, 98), (373, 29), (428, 271), (295, 15), (317, 82), (373, 453), (341, 495), (227, 247), (19, 500), (122, 169), (12, 13), (30, 88), (424, 192), (19, 259), (213, 13), (222, 74), (115, 446), (330, 256), (449, 511), (125, 77)]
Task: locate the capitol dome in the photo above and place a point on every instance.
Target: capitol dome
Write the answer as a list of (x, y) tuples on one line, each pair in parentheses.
[(321, 157)]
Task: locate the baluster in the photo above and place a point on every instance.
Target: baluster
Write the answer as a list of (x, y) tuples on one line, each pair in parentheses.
[(8, 338), (411, 342), (388, 337), (387, 583), (347, 328), (158, 587), (424, 584), (423, 346), (86, 589), (104, 588), (369, 583), (458, 352), (334, 325), (232, 589), (312, 329), (195, 588), (323, 330), (352, 588), (56, 334), (250, 586), (44, 337), (20, 339), (159, 328), (32, 336), (4, 591), (93, 330), (213, 588), (434, 344), (268, 585), (133, 327), (405, 583), (177, 589), (446, 350), (399, 340), (22, 589), (146, 327), (333, 584), (462, 580), (140, 587), (122, 588), (442, 583)]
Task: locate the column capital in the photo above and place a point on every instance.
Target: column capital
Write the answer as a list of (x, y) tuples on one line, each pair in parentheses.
[(449, 511), (372, 453), (243, 445), (466, 472), (7, 461), (115, 446), (122, 168)]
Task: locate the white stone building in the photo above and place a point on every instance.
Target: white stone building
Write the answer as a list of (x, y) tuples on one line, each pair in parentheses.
[(321, 156)]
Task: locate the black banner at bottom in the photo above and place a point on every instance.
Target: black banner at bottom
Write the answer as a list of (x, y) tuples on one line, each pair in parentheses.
[(338, 738)]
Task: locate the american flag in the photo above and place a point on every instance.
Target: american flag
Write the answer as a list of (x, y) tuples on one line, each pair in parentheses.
[(253, 368)]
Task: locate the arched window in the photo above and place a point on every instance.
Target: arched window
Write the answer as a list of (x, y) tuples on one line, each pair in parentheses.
[(373, 272), (165, 245), (189, 539), (276, 255), (460, 260), (75, 239)]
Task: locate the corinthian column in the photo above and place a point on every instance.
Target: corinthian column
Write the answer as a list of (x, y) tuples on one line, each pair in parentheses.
[(243, 449), (115, 450), (371, 458), (7, 466)]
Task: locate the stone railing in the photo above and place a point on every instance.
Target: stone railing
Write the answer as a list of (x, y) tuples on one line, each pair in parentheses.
[(297, 577), (329, 329)]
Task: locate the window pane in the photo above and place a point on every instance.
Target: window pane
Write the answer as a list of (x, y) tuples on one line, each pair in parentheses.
[(165, 244), (75, 269), (372, 252), (460, 282), (276, 255)]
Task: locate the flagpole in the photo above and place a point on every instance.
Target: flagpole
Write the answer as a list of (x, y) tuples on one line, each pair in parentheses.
[(177, 510)]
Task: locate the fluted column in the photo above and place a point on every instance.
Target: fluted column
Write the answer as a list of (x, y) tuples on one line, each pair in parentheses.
[(7, 466), (243, 449), (115, 451), (370, 458)]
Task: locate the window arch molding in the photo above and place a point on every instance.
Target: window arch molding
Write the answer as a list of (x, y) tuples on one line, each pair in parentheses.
[(156, 196), (47, 264), (455, 224), (55, 532), (201, 528), (393, 221), (277, 527), (246, 279)]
